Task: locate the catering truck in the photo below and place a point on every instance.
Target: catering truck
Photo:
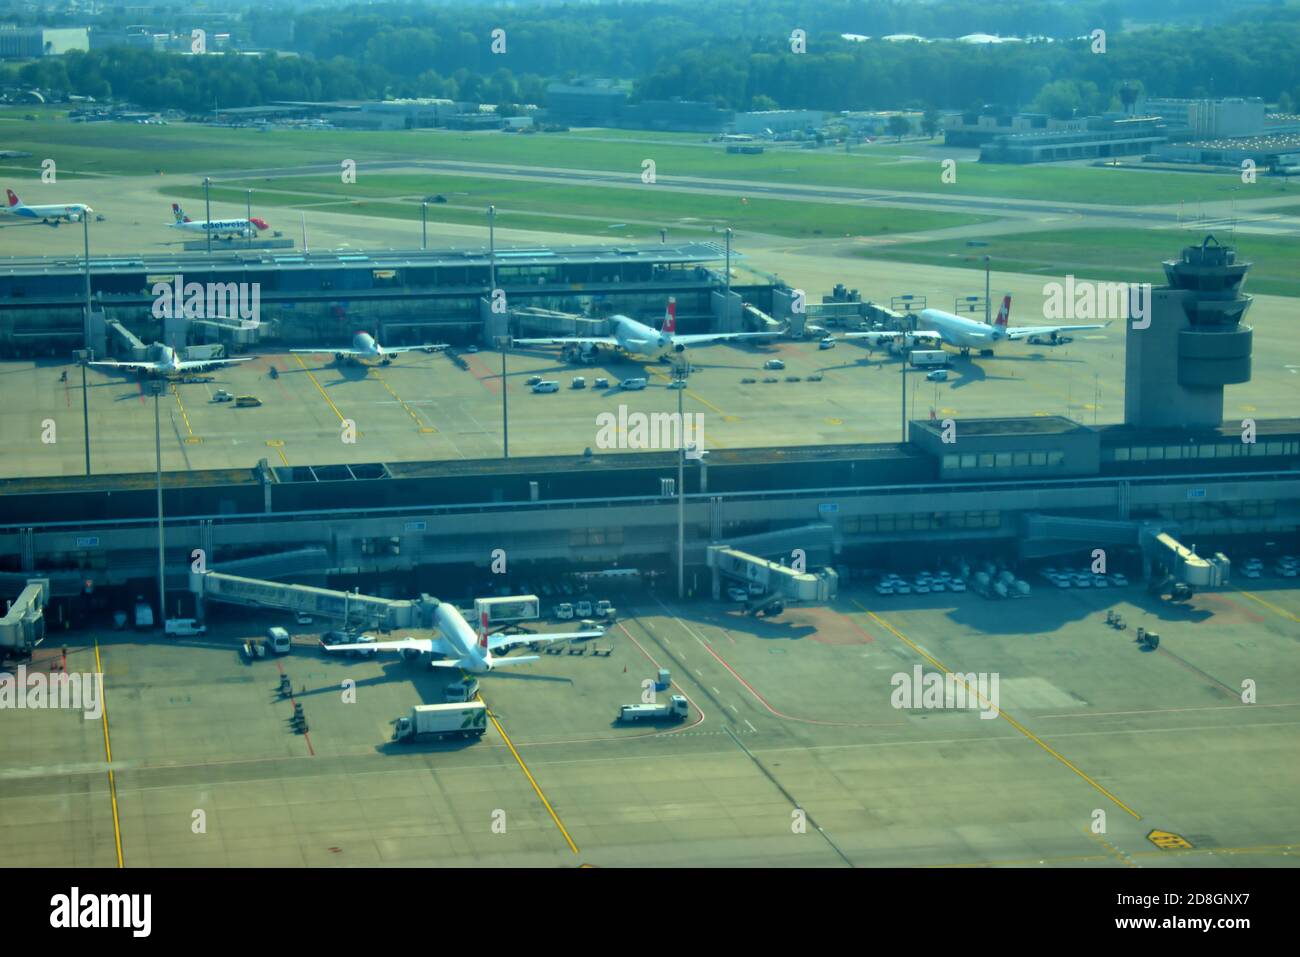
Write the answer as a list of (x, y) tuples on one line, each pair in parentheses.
[(428, 722), (675, 710), (928, 358)]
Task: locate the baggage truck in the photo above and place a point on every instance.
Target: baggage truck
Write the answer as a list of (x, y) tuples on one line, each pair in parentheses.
[(433, 722), (928, 358), (675, 710)]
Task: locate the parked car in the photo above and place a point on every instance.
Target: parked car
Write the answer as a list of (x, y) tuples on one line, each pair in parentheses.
[(938, 375), (827, 343), (1118, 579), (773, 364), (304, 619), (957, 585), (737, 594), (547, 385), (884, 588), (221, 395), (533, 380)]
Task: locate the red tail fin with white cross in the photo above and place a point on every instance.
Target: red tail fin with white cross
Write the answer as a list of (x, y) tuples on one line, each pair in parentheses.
[(670, 316), (1004, 313)]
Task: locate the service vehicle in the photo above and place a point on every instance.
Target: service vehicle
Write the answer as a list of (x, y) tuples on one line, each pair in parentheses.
[(440, 721), (547, 385), (277, 641), (247, 401), (926, 358), (183, 626), (676, 709)]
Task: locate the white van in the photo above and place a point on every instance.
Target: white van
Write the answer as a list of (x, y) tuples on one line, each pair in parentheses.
[(547, 385), (277, 641), (183, 626), (632, 385)]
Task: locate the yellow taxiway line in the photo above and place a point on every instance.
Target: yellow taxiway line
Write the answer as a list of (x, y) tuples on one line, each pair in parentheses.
[(1001, 714), (108, 752), (532, 780)]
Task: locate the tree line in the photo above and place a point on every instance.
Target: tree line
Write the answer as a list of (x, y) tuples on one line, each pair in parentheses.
[(737, 56)]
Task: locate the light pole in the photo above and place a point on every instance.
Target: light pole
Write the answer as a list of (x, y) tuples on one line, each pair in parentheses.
[(679, 376), (492, 250), (903, 406), (504, 342), (248, 215), (157, 386), (986, 290), (207, 204), (424, 225), (84, 356), (726, 288)]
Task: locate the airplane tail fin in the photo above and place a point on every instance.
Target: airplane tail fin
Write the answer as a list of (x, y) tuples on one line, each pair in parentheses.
[(179, 213), (670, 316), (483, 630), (13, 198), (1004, 312)]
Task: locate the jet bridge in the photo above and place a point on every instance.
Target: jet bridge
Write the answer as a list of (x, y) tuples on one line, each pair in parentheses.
[(23, 626), (1166, 558), (133, 349), (781, 584), (350, 609)]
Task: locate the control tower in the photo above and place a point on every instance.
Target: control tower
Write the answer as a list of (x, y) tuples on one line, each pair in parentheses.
[(1196, 343)]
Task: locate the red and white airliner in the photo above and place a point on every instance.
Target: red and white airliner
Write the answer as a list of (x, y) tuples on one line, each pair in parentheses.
[(218, 228)]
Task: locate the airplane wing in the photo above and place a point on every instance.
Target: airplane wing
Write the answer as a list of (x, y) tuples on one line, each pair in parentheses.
[(879, 336), (111, 364), (227, 322), (424, 645), (568, 341), (1021, 332), (520, 660), (500, 642), (349, 351), (189, 364), (695, 339), (428, 347)]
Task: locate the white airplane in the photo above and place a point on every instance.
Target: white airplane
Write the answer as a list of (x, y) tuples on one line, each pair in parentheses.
[(936, 327), (168, 363), (460, 647), (636, 338), (71, 212), (364, 346), (219, 228)]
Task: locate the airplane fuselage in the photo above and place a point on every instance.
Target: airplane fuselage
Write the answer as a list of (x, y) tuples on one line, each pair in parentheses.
[(959, 332)]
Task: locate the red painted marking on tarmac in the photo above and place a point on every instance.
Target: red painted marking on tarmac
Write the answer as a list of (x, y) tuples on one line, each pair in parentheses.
[(306, 735), (764, 702), (650, 658), (284, 393), (490, 379), (1249, 613)]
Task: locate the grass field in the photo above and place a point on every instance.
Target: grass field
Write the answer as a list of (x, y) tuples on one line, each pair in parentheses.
[(114, 148), (1102, 253), (580, 209)]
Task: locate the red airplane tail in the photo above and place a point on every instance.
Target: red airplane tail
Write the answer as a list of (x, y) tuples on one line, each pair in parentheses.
[(483, 630), (13, 198), (1004, 312), (670, 316)]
